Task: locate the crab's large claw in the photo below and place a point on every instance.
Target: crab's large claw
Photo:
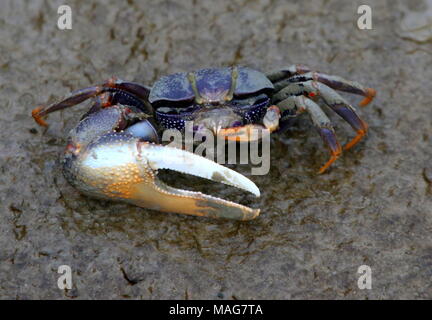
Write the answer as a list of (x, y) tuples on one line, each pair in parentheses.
[(119, 166)]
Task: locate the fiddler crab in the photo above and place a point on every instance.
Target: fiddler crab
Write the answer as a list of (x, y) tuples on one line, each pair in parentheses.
[(114, 152)]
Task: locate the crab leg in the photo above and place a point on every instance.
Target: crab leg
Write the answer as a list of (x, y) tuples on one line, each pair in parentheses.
[(333, 100), (76, 98), (127, 93), (300, 104), (300, 73)]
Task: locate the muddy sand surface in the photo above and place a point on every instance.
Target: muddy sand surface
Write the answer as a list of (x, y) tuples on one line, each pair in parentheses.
[(374, 207)]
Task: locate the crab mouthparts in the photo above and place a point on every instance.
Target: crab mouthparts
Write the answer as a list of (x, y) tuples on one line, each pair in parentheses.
[(165, 198)]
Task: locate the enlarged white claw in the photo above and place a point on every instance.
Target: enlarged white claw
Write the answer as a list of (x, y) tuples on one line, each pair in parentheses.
[(165, 157), (119, 166)]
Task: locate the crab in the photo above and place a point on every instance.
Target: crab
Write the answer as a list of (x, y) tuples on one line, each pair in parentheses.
[(115, 151)]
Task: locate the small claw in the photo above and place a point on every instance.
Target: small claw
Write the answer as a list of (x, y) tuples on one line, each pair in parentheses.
[(249, 132), (360, 134), (271, 118), (370, 95)]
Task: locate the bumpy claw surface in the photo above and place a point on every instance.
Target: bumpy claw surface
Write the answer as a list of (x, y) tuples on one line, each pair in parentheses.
[(119, 166)]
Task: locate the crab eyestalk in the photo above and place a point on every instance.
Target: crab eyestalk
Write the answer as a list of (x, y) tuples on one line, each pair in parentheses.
[(119, 166)]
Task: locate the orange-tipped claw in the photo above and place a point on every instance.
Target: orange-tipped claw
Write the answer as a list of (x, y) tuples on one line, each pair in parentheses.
[(333, 158), (355, 140), (37, 117), (245, 133), (370, 95), (360, 134)]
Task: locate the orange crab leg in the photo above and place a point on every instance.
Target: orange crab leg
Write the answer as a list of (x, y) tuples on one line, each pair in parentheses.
[(334, 156), (37, 117), (299, 73), (113, 84), (360, 134), (369, 96)]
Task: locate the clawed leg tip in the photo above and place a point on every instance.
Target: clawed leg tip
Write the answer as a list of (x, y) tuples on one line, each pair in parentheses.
[(332, 159), (37, 117), (351, 144), (370, 95), (324, 168), (357, 138)]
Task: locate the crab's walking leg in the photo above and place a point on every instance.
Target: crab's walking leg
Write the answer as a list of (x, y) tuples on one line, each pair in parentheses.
[(77, 97), (118, 91), (333, 100), (287, 72), (300, 73), (300, 104)]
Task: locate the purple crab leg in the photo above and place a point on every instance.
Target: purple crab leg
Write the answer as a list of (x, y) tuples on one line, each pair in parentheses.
[(333, 100), (301, 73), (300, 104), (287, 72), (128, 89)]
